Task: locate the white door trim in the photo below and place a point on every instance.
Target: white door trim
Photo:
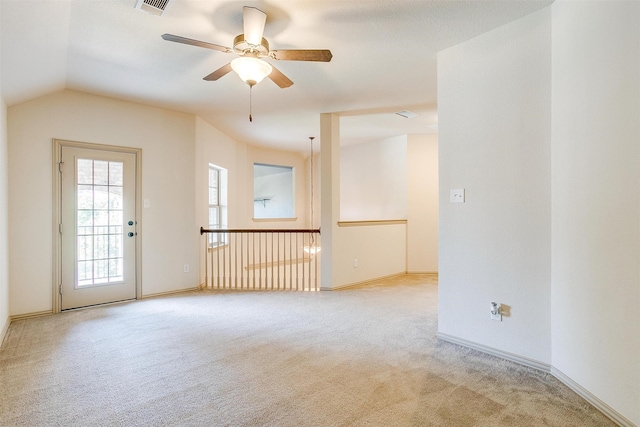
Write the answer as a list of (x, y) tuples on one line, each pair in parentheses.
[(57, 212)]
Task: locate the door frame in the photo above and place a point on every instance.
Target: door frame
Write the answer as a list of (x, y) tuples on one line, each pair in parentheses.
[(57, 212)]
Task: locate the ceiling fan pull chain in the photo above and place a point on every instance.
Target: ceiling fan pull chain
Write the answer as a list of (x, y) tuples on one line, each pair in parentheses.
[(250, 103)]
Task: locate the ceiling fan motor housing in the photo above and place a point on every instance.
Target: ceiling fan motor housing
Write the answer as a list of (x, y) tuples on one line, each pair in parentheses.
[(242, 47)]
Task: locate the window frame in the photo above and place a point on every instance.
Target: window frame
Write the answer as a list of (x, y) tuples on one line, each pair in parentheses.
[(219, 204)]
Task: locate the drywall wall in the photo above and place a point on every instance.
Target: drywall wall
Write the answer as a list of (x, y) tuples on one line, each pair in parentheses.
[(273, 191), (352, 254), (422, 203), (367, 252), (329, 195), (396, 178), (595, 199), (373, 180), (4, 223), (214, 147), (316, 191), (168, 231), (280, 158), (494, 114), (4, 215)]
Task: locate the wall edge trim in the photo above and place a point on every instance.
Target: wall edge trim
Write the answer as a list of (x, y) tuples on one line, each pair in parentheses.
[(368, 223), (30, 315), (5, 329), (177, 291), (365, 282), (522, 360), (593, 400), (607, 410)]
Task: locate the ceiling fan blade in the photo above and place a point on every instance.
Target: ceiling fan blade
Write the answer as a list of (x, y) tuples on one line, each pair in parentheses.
[(254, 20), (320, 55), (184, 40), (280, 79), (218, 73)]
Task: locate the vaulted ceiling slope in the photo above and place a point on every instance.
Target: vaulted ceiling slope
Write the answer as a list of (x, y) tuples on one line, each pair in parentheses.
[(384, 59)]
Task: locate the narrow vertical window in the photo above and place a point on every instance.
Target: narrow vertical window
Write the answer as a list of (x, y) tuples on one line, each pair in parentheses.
[(100, 223), (217, 203)]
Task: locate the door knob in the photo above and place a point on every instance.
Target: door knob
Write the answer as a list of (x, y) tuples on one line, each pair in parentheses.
[(130, 223), (130, 234)]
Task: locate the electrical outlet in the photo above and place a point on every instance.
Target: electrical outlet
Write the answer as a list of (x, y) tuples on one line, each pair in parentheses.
[(496, 311), (456, 196), (186, 268), (355, 263)]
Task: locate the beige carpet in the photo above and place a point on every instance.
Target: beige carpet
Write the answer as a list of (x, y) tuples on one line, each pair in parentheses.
[(358, 357)]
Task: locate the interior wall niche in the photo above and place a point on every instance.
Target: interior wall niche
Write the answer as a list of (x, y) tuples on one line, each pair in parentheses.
[(273, 191)]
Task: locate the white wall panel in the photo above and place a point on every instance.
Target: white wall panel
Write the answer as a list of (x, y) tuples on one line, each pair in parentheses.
[(596, 201), (494, 113), (168, 229)]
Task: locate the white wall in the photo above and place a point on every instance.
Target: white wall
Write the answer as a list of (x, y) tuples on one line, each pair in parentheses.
[(494, 111), (595, 161), (281, 158), (545, 113), (379, 249), (168, 229), (396, 178), (4, 214), (273, 191), (373, 182), (212, 146), (422, 215)]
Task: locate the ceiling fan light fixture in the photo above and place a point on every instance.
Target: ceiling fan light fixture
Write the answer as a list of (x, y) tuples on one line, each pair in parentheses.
[(251, 70)]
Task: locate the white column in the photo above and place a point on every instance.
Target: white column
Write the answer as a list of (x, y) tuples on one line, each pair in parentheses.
[(329, 193)]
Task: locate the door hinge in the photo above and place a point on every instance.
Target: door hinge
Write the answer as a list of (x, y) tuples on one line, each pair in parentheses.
[(60, 166), (60, 289), (60, 228)]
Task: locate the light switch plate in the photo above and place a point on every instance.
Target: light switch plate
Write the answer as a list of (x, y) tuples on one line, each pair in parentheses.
[(457, 196)]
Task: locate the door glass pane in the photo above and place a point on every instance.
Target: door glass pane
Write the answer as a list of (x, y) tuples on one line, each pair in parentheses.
[(100, 197), (115, 173), (100, 172), (100, 222), (85, 171)]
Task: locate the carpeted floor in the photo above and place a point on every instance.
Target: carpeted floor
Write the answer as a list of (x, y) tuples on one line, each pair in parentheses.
[(356, 357)]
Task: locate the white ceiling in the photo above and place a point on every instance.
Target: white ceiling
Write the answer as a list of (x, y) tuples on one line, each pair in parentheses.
[(384, 59)]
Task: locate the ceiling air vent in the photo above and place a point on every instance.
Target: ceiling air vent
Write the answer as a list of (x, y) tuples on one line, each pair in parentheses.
[(154, 7), (406, 114)]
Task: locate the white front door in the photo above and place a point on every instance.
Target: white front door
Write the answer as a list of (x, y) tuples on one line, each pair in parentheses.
[(98, 227)]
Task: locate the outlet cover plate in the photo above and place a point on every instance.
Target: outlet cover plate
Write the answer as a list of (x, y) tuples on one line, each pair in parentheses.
[(456, 196)]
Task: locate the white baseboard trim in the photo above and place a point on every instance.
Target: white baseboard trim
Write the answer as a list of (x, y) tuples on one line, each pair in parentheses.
[(531, 363), (30, 315), (614, 415), (5, 329), (607, 410), (167, 293), (363, 283)]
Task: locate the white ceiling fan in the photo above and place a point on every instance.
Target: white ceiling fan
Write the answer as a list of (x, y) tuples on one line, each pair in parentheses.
[(251, 47)]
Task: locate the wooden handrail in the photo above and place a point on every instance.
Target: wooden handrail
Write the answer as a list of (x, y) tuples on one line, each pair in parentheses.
[(258, 230)]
